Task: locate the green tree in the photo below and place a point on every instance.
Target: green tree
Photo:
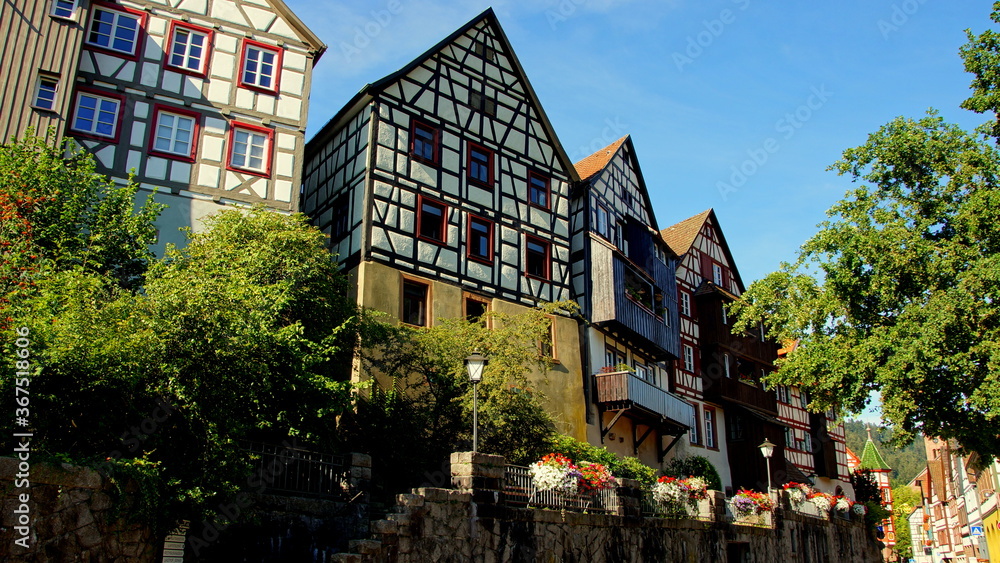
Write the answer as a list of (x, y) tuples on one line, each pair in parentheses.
[(899, 291), (57, 213), (905, 500), (236, 337), (419, 408)]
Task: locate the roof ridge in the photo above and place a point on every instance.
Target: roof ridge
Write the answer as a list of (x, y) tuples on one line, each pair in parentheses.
[(680, 236), (594, 163)]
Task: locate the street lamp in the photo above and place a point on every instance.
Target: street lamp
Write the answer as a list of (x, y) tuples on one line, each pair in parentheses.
[(474, 364), (767, 450)]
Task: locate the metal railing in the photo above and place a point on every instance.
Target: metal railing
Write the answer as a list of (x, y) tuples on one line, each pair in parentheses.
[(702, 511), (519, 491), (299, 472), (762, 520)]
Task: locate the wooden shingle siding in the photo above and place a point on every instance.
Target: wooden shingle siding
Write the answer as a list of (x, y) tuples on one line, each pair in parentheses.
[(33, 41)]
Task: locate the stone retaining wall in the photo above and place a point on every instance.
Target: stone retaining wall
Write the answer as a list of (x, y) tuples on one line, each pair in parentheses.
[(71, 518), (470, 523)]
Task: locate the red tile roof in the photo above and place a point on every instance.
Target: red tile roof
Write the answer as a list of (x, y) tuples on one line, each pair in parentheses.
[(597, 161), (681, 236)]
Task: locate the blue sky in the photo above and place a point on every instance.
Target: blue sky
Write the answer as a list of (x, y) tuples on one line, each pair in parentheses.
[(739, 105)]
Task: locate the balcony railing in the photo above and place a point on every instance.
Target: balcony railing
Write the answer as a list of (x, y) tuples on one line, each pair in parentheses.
[(624, 389), (519, 491), (728, 389), (298, 472)]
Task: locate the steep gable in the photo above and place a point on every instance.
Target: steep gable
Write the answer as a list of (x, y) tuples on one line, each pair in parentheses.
[(475, 59), (702, 232)]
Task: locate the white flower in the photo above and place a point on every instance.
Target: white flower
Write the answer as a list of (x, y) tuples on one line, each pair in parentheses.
[(860, 509), (843, 503), (796, 496), (554, 478)]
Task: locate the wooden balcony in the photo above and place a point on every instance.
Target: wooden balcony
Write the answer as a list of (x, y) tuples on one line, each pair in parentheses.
[(735, 391), (624, 390), (613, 306)]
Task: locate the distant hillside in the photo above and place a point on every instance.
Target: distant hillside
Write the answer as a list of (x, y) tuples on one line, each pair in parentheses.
[(905, 463)]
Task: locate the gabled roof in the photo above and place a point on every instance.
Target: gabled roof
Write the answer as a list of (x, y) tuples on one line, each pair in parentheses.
[(681, 236), (589, 168), (599, 160), (369, 91), (852, 459), (318, 47), (870, 458)]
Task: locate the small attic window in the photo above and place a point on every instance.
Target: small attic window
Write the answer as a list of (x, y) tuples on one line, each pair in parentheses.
[(482, 103), (485, 51)]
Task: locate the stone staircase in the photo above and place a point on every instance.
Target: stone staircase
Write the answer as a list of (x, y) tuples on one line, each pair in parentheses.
[(389, 533)]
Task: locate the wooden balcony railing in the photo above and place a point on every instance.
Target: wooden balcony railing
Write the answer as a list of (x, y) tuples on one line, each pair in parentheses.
[(625, 389), (729, 389)]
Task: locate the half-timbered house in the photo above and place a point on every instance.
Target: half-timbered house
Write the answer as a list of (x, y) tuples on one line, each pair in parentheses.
[(623, 279), (446, 193), (815, 442), (203, 101), (719, 372)]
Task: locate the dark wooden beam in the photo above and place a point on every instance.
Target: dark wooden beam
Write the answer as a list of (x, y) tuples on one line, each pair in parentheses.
[(604, 431)]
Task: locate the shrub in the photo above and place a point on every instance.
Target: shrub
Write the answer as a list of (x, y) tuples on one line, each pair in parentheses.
[(694, 466)]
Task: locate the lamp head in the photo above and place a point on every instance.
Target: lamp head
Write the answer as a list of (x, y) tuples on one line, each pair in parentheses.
[(766, 449), (474, 364)]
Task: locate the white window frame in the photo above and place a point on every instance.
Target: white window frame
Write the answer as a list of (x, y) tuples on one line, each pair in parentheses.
[(725, 315), (42, 78), (693, 432), (717, 274), (686, 304), (709, 428), (258, 74), (265, 156), (98, 110), (115, 25), (58, 5), (725, 366), (173, 133), (202, 60), (688, 352)]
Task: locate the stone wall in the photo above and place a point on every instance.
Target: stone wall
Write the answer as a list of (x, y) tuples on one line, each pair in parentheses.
[(470, 523), (71, 518)]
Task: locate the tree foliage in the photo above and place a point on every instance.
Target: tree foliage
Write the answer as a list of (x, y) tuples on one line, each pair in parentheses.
[(239, 336), (419, 407), (899, 291), (58, 213)]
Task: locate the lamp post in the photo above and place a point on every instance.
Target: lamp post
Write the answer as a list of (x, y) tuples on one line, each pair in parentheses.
[(474, 364), (767, 450)]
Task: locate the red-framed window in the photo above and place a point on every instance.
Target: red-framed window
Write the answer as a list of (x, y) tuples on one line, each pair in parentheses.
[(249, 149), (425, 142), (711, 438), (537, 258), (685, 303), (260, 66), (480, 165), (432, 220), (480, 237), (174, 133), (189, 49), (539, 193), (415, 301), (97, 114), (115, 29)]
